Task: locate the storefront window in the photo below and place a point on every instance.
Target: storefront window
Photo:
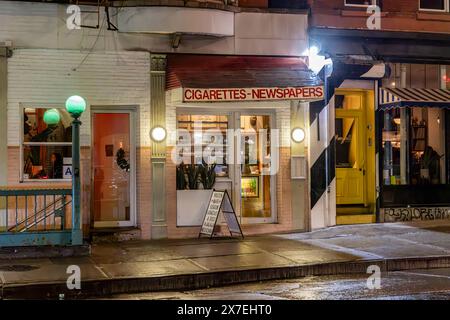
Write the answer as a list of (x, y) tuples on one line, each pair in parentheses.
[(203, 139), (288, 4), (413, 146), (439, 5), (360, 2), (46, 148)]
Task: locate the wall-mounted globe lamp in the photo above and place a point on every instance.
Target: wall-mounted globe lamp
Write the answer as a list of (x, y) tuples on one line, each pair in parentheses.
[(158, 134), (52, 117), (298, 135)]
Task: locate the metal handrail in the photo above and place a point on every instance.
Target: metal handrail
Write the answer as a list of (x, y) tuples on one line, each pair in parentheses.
[(27, 227), (33, 217)]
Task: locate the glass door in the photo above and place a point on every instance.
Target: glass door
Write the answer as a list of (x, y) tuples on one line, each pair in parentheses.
[(113, 169), (257, 173)]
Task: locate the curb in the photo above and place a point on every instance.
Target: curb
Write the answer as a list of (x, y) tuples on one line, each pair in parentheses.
[(107, 287)]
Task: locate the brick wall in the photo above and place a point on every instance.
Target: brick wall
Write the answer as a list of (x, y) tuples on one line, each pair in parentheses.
[(401, 15), (103, 79)]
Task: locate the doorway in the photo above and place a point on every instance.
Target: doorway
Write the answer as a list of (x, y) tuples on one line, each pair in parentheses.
[(113, 168), (355, 156)]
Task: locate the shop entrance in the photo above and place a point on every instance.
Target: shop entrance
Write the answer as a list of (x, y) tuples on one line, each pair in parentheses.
[(113, 170), (239, 144), (355, 166)]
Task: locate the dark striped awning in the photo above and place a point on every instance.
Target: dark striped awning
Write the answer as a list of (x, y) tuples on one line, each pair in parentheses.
[(413, 97)]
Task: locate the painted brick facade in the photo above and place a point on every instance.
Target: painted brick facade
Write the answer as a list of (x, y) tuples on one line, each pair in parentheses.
[(104, 79)]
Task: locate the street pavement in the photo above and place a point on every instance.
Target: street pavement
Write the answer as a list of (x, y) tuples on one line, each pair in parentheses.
[(432, 284), (138, 266)]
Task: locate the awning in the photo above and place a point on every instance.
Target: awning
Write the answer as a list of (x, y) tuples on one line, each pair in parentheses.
[(413, 97), (208, 78)]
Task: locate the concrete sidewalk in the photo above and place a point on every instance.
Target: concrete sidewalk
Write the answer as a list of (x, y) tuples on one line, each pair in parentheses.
[(199, 263)]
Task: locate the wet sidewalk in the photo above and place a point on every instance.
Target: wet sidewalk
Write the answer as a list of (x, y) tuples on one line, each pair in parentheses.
[(199, 263)]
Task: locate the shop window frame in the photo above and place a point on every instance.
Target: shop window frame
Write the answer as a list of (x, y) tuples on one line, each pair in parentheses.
[(445, 10), (295, 5), (205, 112), (354, 5), (410, 139), (22, 143)]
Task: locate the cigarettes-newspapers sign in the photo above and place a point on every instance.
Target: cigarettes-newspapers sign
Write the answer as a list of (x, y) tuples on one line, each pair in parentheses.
[(252, 94)]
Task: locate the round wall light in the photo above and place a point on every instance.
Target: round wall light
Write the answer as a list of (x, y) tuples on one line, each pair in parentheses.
[(51, 117), (75, 105), (298, 135), (158, 134)]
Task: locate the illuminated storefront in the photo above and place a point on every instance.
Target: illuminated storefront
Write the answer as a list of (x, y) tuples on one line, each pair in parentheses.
[(414, 134), (232, 118)]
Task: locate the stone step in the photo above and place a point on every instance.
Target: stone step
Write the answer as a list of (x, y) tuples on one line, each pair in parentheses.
[(111, 235)]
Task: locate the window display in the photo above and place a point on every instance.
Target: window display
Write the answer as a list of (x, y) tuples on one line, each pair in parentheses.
[(203, 138), (413, 146)]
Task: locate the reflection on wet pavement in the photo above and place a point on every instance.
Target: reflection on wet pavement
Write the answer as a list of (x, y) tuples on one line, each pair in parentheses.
[(431, 284)]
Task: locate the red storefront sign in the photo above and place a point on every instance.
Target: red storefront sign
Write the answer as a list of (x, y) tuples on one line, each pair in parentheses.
[(252, 94)]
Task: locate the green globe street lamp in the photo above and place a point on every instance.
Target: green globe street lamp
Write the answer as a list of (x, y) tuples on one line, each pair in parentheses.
[(51, 117), (76, 105)]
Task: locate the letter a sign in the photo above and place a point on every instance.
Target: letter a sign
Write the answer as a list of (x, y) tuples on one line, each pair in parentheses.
[(67, 168)]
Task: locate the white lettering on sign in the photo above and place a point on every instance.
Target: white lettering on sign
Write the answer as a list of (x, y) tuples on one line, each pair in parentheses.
[(252, 94)]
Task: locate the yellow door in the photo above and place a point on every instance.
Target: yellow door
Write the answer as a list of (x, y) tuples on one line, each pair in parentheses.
[(350, 157), (355, 156)]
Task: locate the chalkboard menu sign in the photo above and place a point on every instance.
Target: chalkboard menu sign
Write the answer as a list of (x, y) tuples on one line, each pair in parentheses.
[(220, 201)]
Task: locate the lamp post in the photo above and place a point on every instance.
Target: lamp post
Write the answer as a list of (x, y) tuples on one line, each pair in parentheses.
[(76, 105)]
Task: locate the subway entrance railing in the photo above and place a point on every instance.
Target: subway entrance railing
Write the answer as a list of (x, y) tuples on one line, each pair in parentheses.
[(36, 217)]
